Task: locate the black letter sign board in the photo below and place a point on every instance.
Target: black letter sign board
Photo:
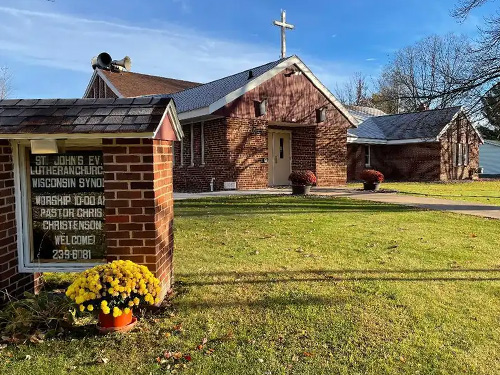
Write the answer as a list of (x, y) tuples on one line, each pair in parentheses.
[(67, 202)]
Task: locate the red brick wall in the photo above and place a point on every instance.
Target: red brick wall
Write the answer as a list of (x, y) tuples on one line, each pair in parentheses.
[(331, 150), (11, 281), (290, 98), (139, 205), (407, 162), (355, 161), (164, 211), (198, 176), (460, 131), (234, 149), (304, 148), (247, 141), (99, 89)]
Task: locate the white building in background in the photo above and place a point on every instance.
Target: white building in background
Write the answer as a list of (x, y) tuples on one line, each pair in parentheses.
[(489, 157)]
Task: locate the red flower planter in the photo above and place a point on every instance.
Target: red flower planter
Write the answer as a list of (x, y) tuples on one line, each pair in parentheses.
[(108, 323)]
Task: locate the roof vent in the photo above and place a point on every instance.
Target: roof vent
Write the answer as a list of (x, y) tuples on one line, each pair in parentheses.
[(250, 74)]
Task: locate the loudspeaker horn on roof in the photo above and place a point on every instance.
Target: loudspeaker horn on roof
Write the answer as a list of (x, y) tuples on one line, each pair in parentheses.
[(126, 63), (104, 60)]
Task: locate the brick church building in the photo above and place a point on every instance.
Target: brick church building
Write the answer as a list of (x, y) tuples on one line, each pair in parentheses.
[(248, 130)]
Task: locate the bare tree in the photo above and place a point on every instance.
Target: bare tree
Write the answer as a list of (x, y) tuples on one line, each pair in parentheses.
[(387, 96), (355, 91), (484, 79), (5, 83), (426, 74)]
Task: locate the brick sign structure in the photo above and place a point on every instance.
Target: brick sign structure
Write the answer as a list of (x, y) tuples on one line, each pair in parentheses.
[(83, 182)]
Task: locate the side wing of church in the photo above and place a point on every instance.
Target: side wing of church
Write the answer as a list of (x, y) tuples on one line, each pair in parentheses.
[(248, 130)]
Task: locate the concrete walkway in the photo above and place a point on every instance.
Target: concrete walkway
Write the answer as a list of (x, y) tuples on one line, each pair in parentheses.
[(460, 207)]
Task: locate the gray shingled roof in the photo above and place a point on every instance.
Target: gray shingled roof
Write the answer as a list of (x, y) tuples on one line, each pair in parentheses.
[(361, 113), (53, 116), (424, 124), (204, 95)]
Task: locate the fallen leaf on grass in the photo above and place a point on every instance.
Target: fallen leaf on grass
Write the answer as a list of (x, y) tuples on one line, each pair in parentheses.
[(473, 235), (178, 328), (308, 354), (102, 360), (202, 345), (209, 351), (36, 339), (177, 355)]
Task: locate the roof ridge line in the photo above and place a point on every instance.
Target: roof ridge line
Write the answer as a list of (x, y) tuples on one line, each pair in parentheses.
[(427, 110), (153, 75), (225, 77)]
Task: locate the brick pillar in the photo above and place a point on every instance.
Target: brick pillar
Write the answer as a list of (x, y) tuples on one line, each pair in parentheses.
[(12, 283), (164, 210), (139, 203), (331, 154)]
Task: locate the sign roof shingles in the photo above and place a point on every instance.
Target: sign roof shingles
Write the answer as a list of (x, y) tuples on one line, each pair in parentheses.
[(53, 116)]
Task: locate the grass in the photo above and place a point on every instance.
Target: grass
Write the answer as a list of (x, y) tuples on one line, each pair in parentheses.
[(285, 285), (487, 192)]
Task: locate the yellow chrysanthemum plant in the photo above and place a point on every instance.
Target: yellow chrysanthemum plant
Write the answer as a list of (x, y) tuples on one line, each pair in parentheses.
[(114, 288)]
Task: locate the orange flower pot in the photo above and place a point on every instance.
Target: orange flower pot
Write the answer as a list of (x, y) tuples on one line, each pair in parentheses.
[(109, 321)]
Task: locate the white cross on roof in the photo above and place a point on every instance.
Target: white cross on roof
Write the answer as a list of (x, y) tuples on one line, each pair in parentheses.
[(283, 25)]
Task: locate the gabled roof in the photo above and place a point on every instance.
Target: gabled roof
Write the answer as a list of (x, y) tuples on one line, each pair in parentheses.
[(138, 117), (204, 95), (206, 99), (131, 84), (361, 113), (425, 125)]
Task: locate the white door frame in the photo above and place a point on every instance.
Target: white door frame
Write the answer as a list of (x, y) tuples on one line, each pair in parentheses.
[(273, 132)]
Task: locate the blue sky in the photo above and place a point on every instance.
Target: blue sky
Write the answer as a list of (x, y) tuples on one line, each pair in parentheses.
[(47, 45)]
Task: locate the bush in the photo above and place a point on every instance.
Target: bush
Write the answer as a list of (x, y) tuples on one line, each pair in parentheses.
[(372, 176), (302, 178), (43, 312), (114, 288)]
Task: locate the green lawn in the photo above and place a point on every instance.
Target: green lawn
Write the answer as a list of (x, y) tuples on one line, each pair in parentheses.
[(286, 285), (487, 192)]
